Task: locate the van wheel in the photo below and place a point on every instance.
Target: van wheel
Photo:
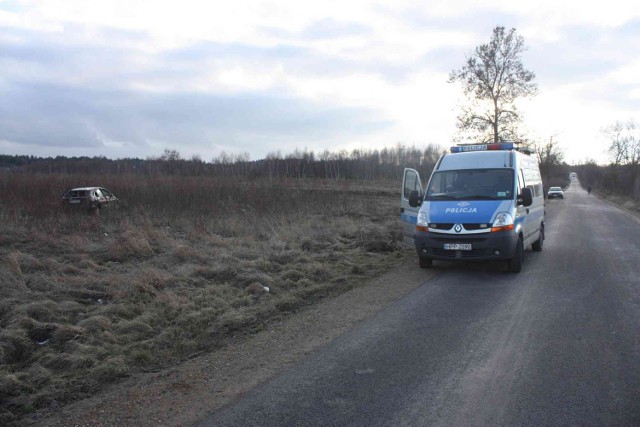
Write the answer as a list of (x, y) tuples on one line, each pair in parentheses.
[(515, 263), (425, 262), (537, 245)]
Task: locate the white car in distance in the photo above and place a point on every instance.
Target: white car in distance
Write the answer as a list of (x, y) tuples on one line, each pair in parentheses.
[(555, 193)]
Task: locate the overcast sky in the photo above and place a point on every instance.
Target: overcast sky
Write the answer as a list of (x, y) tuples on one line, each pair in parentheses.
[(123, 78)]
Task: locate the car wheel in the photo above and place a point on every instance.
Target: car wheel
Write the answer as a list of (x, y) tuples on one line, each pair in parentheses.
[(537, 245), (425, 262), (515, 263)]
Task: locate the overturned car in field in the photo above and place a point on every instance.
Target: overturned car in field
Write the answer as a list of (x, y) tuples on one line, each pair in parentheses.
[(91, 199)]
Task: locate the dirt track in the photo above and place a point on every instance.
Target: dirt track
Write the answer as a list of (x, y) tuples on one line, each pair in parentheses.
[(184, 394)]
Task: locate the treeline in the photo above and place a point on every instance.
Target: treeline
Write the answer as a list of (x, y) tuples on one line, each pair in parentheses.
[(554, 171), (622, 176), (387, 163), (383, 164), (556, 176), (613, 179)]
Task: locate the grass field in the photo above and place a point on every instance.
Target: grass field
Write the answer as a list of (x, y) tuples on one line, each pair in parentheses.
[(178, 268)]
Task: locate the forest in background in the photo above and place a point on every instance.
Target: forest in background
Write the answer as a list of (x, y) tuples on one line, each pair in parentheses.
[(386, 164), (620, 178)]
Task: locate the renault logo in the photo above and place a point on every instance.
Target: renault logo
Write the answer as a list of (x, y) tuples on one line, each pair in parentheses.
[(457, 228)]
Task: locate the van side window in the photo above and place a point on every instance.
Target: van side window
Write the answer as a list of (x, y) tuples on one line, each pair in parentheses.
[(521, 182), (410, 184), (538, 189), (533, 181), (529, 180), (538, 183)]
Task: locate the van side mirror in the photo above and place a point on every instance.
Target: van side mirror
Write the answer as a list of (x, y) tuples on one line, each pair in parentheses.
[(527, 197), (414, 199)]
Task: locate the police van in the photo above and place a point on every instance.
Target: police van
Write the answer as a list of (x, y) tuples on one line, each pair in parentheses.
[(482, 203)]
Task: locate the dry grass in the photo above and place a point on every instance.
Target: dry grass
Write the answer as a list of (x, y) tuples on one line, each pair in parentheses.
[(178, 269), (625, 202)]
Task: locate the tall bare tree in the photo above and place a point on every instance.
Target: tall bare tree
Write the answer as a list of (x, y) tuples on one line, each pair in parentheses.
[(625, 142), (549, 152), (171, 159), (493, 78), (550, 156), (625, 153)]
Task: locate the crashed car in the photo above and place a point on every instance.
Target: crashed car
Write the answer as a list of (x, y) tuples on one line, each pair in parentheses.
[(92, 199), (555, 193)]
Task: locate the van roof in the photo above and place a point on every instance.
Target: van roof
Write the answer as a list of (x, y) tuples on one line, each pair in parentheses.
[(523, 148), (477, 160)]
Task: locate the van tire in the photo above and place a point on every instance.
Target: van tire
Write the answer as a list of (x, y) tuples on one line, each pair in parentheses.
[(537, 245), (515, 263), (425, 262)]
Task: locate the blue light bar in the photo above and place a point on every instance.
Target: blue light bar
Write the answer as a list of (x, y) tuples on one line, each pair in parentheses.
[(483, 147)]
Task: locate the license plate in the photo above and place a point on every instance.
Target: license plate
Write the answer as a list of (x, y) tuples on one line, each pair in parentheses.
[(74, 201), (457, 246)]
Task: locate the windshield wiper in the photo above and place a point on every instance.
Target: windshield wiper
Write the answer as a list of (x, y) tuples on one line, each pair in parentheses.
[(441, 197), (481, 197)]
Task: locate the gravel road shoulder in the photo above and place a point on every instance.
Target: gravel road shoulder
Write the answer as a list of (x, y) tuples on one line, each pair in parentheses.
[(184, 394)]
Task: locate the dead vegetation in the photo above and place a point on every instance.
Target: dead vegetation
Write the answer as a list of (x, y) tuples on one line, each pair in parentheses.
[(181, 266)]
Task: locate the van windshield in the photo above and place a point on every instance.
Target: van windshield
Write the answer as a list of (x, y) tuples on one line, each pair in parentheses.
[(471, 184)]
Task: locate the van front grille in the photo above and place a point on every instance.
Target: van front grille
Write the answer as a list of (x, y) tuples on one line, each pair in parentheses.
[(441, 226), (470, 227)]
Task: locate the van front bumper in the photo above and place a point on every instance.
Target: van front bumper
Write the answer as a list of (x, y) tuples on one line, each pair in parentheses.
[(500, 245)]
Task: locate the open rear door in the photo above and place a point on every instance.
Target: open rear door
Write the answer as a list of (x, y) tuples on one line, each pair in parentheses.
[(409, 215)]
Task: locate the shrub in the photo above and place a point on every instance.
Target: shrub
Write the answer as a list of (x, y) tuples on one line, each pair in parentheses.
[(15, 346), (110, 370)]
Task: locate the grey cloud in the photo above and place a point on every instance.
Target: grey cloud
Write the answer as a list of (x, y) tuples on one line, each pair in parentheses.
[(54, 59), (30, 56), (322, 29), (328, 28), (584, 52), (294, 60), (630, 31), (55, 93), (23, 44), (67, 116), (41, 116), (480, 21), (214, 50)]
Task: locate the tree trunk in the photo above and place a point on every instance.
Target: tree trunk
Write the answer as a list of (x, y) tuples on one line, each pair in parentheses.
[(495, 120)]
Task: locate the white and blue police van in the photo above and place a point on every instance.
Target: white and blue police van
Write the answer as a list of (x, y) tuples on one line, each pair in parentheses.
[(482, 203)]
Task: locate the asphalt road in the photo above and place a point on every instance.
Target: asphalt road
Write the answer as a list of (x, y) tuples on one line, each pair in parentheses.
[(558, 344)]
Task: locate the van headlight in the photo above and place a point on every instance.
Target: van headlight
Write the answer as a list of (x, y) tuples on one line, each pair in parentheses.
[(503, 221), (423, 222), (423, 219)]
